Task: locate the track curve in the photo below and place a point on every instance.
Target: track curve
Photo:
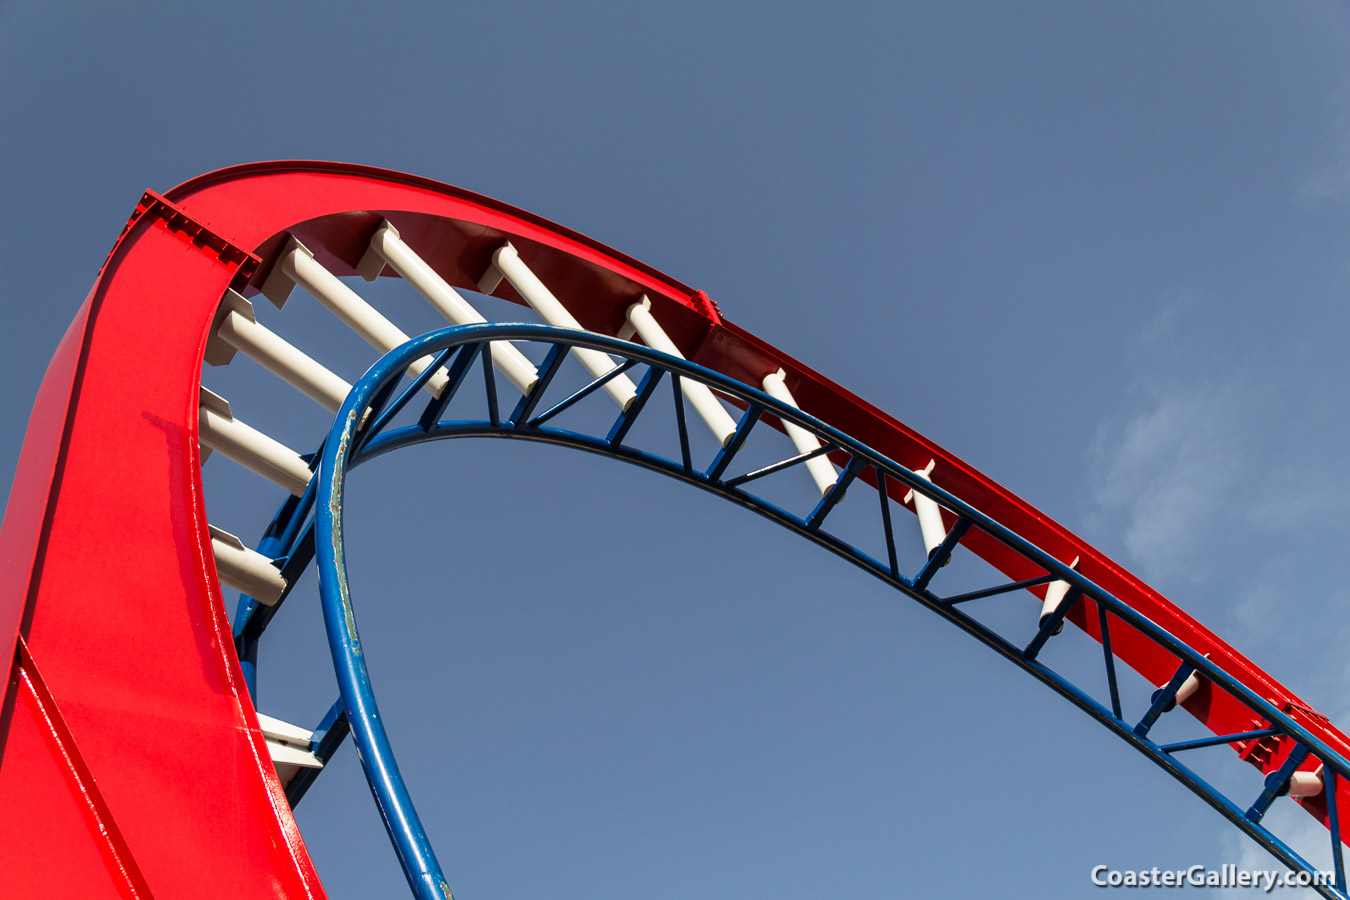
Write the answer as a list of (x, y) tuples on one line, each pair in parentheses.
[(181, 252)]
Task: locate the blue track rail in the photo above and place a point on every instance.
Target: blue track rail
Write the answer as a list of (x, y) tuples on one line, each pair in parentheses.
[(389, 396)]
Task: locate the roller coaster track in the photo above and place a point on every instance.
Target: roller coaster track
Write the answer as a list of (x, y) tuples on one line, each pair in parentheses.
[(629, 365)]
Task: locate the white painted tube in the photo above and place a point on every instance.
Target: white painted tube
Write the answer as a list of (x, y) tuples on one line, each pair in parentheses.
[(289, 760), (282, 359), (1055, 592), (541, 299), (246, 570), (289, 746), (284, 732), (1306, 784), (1188, 687), (928, 512), (298, 264), (708, 407), (249, 447), (1184, 692), (390, 248), (821, 469)]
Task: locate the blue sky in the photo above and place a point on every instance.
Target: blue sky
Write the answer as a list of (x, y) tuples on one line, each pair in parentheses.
[(1098, 252)]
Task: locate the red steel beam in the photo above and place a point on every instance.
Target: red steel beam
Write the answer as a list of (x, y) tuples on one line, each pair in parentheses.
[(140, 711)]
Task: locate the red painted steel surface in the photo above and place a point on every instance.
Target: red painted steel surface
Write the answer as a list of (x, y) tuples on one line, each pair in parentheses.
[(124, 616), (69, 836), (122, 458)]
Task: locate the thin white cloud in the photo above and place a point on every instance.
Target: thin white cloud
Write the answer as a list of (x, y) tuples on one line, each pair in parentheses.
[(1168, 473), (1224, 489), (1209, 470), (1304, 834)]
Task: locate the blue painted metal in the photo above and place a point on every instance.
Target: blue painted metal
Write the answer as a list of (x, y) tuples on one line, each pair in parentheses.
[(1109, 660), (734, 445), (1052, 623), (1219, 739), (1334, 825), (1164, 698), (342, 451), (887, 531), (581, 394), (941, 554), (490, 388), (1277, 782), (328, 736), (777, 467), (458, 369), (682, 425), (280, 541), (628, 418), (998, 589), (547, 372), (387, 414), (835, 494)]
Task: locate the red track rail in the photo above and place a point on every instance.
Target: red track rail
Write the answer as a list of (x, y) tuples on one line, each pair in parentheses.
[(112, 449)]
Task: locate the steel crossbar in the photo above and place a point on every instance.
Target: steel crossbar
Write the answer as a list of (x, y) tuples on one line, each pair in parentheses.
[(346, 448)]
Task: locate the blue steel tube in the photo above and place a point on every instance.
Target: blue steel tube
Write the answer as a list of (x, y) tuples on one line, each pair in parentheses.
[(405, 830), (410, 840)]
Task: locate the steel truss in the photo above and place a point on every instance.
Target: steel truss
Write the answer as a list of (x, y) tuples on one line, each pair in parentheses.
[(386, 392), (82, 746)]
